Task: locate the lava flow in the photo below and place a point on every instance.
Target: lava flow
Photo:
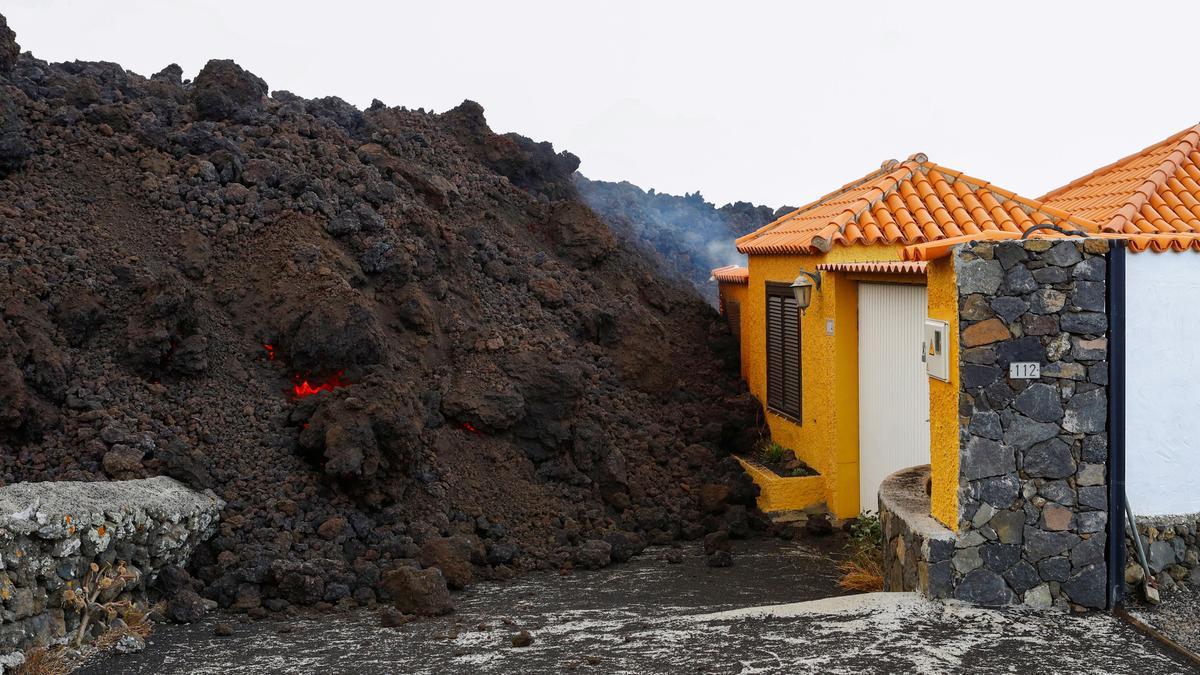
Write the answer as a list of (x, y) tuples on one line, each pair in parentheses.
[(470, 427), (301, 387)]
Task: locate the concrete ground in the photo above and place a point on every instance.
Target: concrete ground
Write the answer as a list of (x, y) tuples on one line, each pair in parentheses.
[(763, 615)]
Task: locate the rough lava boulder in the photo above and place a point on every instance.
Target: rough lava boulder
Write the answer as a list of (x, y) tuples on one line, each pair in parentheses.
[(224, 90)]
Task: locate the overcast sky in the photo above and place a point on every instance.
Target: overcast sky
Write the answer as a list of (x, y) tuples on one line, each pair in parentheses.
[(767, 102)]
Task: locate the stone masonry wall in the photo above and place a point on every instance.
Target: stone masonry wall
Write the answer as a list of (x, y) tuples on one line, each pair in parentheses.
[(1032, 485), (51, 532), (1172, 546), (917, 549)]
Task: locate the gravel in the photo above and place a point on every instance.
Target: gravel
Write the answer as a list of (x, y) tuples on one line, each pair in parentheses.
[(1178, 617)]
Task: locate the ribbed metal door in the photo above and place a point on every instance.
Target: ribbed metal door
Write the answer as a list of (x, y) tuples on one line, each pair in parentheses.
[(893, 388)]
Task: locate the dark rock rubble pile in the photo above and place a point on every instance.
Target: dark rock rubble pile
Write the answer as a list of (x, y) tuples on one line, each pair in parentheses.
[(385, 338)]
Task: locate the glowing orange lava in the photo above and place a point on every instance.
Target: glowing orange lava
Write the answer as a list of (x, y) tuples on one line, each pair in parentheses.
[(301, 387), (270, 351), (469, 427)]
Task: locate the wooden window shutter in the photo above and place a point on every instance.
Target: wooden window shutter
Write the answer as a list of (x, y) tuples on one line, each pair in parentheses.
[(783, 352)]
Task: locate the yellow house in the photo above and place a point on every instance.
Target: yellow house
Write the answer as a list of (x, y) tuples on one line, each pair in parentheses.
[(862, 381)]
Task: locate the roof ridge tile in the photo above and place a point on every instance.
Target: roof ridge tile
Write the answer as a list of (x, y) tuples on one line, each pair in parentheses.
[(1108, 167), (904, 203), (883, 170), (1154, 181)]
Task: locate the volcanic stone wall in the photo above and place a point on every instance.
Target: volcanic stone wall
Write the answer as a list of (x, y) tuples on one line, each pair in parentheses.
[(918, 550), (1033, 477), (50, 533), (1172, 547)]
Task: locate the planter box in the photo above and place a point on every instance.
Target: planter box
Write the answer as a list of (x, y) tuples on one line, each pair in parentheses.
[(780, 493)]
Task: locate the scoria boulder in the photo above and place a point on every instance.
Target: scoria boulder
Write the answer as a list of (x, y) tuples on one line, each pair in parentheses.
[(593, 554), (417, 591), (450, 558)]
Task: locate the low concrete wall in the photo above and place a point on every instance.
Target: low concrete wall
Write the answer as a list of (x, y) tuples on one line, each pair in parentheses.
[(1172, 551), (784, 493), (917, 549), (51, 532)]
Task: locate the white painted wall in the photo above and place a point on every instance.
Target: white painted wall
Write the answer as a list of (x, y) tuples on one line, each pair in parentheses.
[(1162, 382)]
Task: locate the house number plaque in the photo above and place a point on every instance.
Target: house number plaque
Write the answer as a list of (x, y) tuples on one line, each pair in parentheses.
[(1024, 370)]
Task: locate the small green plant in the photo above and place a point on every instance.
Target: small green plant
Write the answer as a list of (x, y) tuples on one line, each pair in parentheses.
[(772, 452), (782, 461), (862, 570), (866, 531)]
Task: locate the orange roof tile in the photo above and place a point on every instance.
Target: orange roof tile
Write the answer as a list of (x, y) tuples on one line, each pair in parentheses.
[(941, 248), (1157, 243), (908, 202), (1135, 243), (731, 274), (1154, 191), (878, 266)]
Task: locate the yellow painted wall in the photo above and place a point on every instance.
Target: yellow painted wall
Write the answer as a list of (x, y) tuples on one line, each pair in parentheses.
[(943, 398), (827, 438), (737, 293)]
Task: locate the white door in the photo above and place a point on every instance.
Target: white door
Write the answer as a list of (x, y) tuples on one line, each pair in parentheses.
[(893, 388)]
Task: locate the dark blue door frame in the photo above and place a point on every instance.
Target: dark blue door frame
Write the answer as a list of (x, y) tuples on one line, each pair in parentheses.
[(1115, 554)]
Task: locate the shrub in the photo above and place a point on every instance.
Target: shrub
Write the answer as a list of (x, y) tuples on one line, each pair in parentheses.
[(96, 597), (866, 531)]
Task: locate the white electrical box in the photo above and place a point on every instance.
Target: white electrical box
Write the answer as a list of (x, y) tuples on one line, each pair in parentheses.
[(935, 349)]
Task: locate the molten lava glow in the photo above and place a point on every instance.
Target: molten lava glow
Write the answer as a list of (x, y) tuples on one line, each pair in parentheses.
[(469, 427), (301, 387), (270, 351)]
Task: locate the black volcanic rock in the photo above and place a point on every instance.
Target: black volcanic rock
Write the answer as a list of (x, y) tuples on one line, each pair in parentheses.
[(529, 164), (223, 89), (391, 320), (15, 147), (9, 49)]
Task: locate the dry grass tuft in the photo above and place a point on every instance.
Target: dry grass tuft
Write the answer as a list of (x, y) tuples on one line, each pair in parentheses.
[(109, 638), (862, 570), (43, 661), (862, 573), (137, 622)]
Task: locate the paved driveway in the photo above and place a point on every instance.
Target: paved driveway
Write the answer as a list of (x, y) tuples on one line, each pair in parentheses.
[(649, 616)]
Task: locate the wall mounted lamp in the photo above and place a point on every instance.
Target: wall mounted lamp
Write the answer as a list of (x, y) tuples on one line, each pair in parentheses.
[(802, 288)]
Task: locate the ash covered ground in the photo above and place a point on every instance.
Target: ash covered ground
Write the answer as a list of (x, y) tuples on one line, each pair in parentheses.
[(493, 381)]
